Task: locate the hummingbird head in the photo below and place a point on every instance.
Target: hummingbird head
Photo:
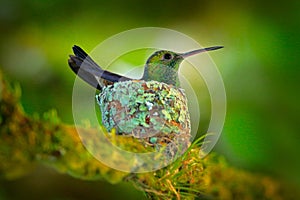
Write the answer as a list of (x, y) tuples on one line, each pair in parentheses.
[(163, 65), (165, 58)]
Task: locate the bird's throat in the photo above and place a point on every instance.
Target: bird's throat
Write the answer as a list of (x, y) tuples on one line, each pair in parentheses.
[(163, 74)]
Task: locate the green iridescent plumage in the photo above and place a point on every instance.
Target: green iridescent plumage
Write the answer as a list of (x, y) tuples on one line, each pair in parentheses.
[(163, 66)]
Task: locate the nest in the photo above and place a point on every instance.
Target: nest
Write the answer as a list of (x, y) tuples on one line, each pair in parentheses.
[(153, 112)]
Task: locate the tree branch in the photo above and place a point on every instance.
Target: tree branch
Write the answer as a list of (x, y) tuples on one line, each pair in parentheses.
[(26, 141)]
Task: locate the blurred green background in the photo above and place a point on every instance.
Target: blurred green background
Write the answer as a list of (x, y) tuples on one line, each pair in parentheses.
[(260, 68)]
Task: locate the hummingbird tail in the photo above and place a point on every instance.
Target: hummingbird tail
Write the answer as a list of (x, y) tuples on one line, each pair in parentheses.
[(75, 63), (87, 69), (81, 54), (82, 65)]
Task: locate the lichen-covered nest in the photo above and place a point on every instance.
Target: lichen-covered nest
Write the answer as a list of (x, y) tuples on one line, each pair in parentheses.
[(156, 113)]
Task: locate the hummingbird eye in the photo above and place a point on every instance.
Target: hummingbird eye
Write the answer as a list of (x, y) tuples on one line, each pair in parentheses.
[(167, 56)]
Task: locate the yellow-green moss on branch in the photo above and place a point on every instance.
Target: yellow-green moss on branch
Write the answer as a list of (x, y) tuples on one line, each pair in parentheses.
[(26, 141)]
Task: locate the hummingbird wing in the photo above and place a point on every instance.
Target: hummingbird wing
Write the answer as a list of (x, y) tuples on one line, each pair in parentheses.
[(88, 70)]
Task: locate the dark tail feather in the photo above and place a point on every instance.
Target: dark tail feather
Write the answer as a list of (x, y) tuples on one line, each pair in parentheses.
[(79, 52), (84, 66), (75, 64)]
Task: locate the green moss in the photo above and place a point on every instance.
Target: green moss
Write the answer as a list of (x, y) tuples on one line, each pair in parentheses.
[(29, 140)]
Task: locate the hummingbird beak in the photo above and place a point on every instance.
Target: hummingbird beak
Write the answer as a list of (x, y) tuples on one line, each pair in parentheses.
[(190, 53)]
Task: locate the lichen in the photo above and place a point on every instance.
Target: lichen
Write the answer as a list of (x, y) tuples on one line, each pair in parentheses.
[(144, 110)]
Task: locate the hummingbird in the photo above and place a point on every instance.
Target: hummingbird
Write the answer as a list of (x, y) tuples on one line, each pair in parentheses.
[(161, 66)]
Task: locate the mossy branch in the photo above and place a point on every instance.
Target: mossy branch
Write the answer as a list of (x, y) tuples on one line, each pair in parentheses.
[(26, 141)]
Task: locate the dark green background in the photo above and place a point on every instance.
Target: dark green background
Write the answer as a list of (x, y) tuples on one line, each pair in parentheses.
[(260, 67)]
